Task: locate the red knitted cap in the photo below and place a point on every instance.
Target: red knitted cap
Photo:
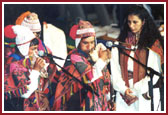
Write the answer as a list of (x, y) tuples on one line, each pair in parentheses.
[(82, 29), (8, 32)]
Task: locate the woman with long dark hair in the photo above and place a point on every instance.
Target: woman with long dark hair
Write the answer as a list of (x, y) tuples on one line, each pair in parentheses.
[(129, 78)]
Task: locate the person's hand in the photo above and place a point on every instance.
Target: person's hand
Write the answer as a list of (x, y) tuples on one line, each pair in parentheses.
[(39, 64), (111, 106), (129, 98), (104, 54), (44, 103), (128, 94)]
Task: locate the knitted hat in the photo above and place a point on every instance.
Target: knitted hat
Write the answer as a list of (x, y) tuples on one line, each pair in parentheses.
[(8, 32), (23, 38), (20, 19), (82, 29), (29, 20), (9, 36)]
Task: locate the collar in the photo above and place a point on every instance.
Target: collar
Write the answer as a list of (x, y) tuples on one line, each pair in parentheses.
[(83, 53)]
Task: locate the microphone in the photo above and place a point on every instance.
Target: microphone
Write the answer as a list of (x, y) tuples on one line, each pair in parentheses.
[(109, 44), (41, 53)]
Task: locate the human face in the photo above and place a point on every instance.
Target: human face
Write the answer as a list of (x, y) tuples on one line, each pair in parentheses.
[(32, 50), (87, 44), (135, 23)]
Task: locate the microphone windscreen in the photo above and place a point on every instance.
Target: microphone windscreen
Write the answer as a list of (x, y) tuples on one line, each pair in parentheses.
[(41, 53), (109, 44)]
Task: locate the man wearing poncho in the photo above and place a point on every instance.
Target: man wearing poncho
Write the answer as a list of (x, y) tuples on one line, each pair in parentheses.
[(23, 88), (70, 94)]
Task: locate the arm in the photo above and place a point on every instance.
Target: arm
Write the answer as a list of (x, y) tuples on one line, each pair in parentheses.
[(97, 69), (84, 68), (34, 75), (103, 59)]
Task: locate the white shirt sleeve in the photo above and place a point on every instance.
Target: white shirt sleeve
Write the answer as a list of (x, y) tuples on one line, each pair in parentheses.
[(34, 75), (97, 69), (154, 63), (117, 81)]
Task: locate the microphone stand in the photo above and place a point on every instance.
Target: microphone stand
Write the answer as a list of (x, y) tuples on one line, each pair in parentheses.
[(86, 86), (151, 74)]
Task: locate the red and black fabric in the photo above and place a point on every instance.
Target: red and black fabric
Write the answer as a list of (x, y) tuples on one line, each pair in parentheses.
[(71, 92), (156, 47), (141, 55), (44, 92), (139, 72), (15, 78)]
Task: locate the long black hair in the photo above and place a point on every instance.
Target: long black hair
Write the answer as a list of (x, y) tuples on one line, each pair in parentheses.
[(149, 33)]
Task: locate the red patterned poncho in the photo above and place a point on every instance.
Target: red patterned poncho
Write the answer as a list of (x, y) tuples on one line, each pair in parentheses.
[(71, 95), (16, 79)]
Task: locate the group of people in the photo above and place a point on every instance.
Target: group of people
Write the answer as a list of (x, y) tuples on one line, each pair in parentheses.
[(85, 82)]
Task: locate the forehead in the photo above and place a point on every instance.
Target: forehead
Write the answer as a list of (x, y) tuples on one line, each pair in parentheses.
[(88, 39), (133, 17)]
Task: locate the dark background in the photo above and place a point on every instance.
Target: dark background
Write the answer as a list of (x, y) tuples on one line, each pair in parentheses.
[(64, 16)]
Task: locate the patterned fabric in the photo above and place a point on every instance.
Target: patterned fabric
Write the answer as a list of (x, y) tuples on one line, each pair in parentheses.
[(85, 29), (30, 20), (139, 72), (7, 52), (43, 47), (131, 39), (36, 100), (156, 47), (71, 95), (9, 41), (82, 29), (16, 80)]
